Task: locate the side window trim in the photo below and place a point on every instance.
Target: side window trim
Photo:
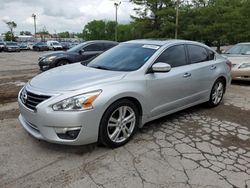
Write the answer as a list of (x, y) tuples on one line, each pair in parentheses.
[(187, 55), (208, 51)]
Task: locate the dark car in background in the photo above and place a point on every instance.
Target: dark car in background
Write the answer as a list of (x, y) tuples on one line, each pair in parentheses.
[(11, 47), (83, 52), (40, 46), (1, 46), (66, 45)]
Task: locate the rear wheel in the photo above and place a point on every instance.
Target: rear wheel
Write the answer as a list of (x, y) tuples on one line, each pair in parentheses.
[(217, 93), (119, 123)]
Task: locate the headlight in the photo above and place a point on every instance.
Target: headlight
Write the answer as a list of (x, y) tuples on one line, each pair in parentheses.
[(244, 65), (77, 103), (50, 58)]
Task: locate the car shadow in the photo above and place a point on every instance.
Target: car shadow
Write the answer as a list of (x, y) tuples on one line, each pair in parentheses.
[(240, 82), (84, 149)]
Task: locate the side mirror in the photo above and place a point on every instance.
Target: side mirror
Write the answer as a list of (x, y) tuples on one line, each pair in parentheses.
[(161, 67), (81, 51), (247, 53)]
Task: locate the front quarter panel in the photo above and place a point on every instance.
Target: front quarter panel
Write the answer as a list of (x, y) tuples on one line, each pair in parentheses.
[(124, 89)]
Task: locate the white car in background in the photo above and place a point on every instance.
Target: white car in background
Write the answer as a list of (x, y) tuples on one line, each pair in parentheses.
[(54, 45), (1, 46), (30, 45)]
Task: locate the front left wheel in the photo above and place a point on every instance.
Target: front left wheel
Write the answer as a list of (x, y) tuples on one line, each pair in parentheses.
[(119, 123)]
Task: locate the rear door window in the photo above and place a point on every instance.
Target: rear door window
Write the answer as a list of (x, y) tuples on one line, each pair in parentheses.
[(174, 56), (107, 46), (197, 54), (93, 47)]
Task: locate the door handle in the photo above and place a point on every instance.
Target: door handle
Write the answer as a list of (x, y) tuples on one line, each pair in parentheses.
[(213, 67), (187, 75)]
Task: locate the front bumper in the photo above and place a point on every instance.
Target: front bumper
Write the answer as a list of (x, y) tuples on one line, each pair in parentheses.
[(45, 65), (12, 49), (41, 124), (241, 74)]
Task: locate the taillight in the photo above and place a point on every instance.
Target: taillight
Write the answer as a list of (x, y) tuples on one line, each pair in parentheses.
[(229, 64)]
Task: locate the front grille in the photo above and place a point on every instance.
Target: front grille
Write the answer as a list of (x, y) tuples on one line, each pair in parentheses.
[(31, 100)]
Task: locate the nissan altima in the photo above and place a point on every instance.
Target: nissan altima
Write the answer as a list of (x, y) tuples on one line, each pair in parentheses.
[(120, 90)]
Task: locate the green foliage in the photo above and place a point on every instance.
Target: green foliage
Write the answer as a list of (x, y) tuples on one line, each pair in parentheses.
[(25, 33), (98, 29), (214, 22), (8, 36), (11, 25), (65, 34), (217, 22)]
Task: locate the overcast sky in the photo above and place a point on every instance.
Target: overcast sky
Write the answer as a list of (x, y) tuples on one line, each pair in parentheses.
[(60, 15)]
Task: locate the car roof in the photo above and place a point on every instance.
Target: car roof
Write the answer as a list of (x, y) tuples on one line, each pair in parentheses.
[(161, 42), (101, 41), (248, 43)]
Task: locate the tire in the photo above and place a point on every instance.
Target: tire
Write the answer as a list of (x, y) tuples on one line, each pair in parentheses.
[(62, 62), (217, 93), (112, 129)]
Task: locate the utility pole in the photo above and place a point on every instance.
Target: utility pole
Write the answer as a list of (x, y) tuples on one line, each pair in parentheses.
[(34, 16), (177, 18), (116, 22)]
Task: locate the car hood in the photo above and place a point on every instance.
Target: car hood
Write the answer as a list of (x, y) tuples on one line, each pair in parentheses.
[(59, 53), (73, 77), (239, 59), (52, 54)]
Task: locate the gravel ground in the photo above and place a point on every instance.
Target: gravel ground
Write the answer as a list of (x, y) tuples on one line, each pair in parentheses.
[(197, 147)]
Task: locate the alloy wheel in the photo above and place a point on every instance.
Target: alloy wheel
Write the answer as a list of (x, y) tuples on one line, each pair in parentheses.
[(217, 93), (121, 124)]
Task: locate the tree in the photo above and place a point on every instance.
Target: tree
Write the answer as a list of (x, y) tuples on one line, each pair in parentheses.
[(155, 18), (11, 25), (217, 22), (8, 36), (65, 34), (25, 33), (99, 30)]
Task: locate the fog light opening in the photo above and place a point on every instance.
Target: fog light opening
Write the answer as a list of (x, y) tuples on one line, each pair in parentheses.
[(68, 133)]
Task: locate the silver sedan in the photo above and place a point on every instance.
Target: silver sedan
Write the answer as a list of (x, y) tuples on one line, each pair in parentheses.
[(122, 89)]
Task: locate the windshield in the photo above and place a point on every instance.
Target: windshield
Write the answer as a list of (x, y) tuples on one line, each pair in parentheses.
[(124, 57), (55, 43), (76, 48), (11, 43), (41, 44), (239, 49)]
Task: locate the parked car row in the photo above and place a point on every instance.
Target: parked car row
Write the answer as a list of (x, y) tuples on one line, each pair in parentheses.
[(38, 46), (10, 47), (81, 52)]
